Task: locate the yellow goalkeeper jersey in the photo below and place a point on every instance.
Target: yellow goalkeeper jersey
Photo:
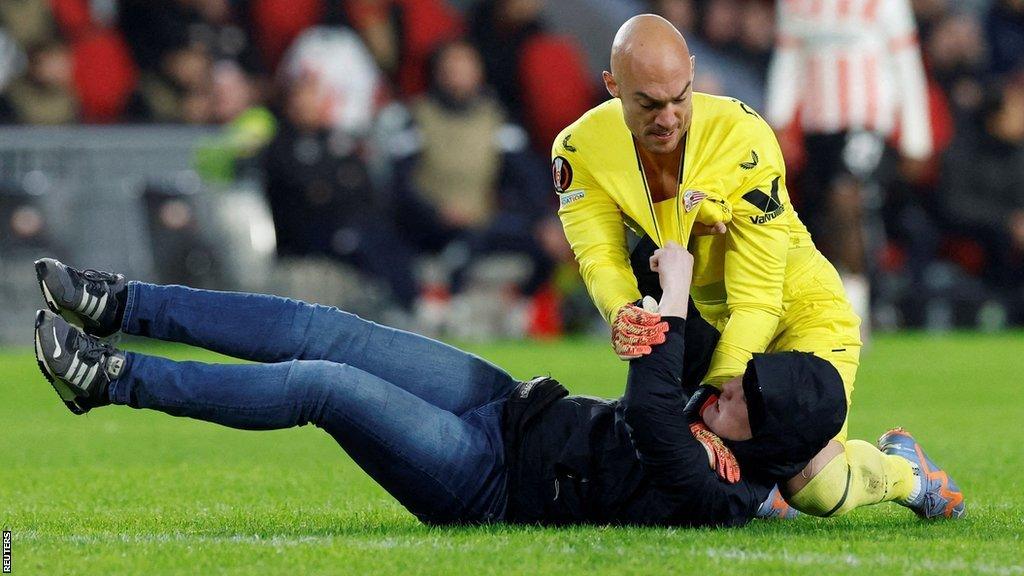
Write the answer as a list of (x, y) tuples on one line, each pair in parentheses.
[(763, 284)]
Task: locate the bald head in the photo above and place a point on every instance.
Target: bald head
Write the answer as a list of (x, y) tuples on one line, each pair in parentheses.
[(648, 41), (652, 73)]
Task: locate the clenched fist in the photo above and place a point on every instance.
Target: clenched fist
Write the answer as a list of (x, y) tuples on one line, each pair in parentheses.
[(636, 330)]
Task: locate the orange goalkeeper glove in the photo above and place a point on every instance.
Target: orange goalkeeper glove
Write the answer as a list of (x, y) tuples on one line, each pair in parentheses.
[(719, 455), (637, 329)]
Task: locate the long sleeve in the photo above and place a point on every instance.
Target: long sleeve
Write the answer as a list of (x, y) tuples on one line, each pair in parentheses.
[(594, 227), (784, 73), (653, 409), (674, 462), (757, 248), (912, 86), (755, 264)]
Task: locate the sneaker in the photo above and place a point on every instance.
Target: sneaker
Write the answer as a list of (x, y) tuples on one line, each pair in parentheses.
[(91, 298), (78, 366), (938, 496), (775, 506)]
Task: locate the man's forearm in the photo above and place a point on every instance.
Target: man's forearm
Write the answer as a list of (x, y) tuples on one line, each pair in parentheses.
[(748, 332), (610, 286), (653, 410), (674, 302)]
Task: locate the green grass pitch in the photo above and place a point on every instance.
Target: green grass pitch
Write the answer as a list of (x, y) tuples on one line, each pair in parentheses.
[(121, 491)]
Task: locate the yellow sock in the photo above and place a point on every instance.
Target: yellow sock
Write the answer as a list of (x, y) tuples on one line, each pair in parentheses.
[(862, 475)]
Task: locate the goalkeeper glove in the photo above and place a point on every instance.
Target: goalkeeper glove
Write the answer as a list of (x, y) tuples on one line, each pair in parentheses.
[(720, 457), (637, 329)]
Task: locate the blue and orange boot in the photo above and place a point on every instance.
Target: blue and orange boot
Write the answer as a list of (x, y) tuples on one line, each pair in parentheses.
[(939, 496), (775, 506)]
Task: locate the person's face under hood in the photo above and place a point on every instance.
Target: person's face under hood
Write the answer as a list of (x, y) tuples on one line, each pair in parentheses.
[(793, 403), (727, 415)]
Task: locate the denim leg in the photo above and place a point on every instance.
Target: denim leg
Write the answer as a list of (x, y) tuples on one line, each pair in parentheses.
[(441, 467), (266, 328)]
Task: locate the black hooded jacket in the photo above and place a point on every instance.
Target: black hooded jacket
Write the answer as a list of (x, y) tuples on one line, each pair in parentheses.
[(777, 386), (578, 459)]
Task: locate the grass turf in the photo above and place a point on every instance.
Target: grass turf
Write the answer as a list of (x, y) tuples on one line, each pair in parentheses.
[(121, 491)]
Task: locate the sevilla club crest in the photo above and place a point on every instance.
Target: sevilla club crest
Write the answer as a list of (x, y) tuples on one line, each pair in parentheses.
[(691, 198)]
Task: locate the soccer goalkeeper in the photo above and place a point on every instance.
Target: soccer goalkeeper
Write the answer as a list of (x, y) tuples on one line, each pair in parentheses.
[(706, 172)]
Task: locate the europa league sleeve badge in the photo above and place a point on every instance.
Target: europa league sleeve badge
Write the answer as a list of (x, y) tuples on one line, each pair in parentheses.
[(561, 173)]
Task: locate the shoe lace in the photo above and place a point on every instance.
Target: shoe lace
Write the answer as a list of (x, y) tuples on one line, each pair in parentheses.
[(99, 275), (930, 502), (91, 349)]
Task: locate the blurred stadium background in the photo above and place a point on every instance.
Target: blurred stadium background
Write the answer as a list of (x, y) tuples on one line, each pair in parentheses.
[(391, 156)]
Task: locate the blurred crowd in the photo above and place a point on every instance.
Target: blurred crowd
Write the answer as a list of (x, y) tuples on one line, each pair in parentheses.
[(386, 133)]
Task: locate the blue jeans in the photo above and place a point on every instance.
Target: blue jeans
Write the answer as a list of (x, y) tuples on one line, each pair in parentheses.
[(420, 417)]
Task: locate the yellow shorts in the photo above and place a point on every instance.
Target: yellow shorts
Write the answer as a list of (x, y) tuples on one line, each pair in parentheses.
[(846, 361), (821, 321)]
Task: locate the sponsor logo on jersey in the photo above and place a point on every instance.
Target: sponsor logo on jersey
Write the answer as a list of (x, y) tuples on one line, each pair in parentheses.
[(753, 161), (561, 173), (745, 107), (691, 198), (769, 204), (570, 197), (565, 144)]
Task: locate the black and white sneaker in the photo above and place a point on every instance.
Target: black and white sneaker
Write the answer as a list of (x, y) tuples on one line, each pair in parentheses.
[(79, 367), (92, 298)]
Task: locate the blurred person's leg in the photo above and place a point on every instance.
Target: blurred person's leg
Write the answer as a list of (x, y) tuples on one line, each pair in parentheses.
[(265, 328), (846, 224), (916, 229), (996, 250), (442, 467), (824, 158), (838, 167), (1009, 273), (1002, 269), (1006, 259)]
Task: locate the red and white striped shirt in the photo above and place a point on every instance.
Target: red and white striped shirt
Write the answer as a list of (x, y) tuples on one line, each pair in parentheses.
[(850, 65)]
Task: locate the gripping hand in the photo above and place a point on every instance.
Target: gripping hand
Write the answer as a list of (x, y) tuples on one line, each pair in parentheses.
[(636, 330), (720, 457)]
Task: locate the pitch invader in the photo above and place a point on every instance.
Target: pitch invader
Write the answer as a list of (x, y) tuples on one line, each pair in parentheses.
[(455, 438)]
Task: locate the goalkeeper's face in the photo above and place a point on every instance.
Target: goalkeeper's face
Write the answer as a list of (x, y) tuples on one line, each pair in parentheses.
[(657, 101), (728, 416), (652, 74)]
